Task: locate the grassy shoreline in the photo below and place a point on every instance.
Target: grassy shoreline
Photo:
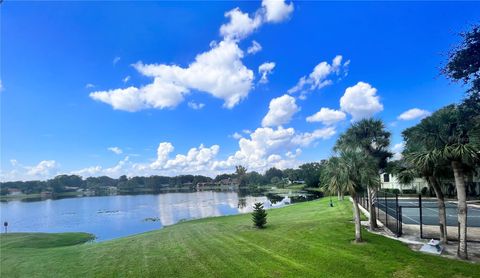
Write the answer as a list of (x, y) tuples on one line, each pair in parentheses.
[(307, 239), (20, 197)]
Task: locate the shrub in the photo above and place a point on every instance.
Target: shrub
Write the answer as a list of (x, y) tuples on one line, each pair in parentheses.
[(396, 191), (424, 191), (259, 215), (409, 191)]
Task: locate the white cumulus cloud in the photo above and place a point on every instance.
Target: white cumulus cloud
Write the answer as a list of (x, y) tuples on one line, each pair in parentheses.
[(307, 138), (197, 160), (44, 168), (272, 147), (265, 69), (320, 76), (254, 48), (196, 105), (413, 113), (115, 150), (236, 135), (116, 60), (240, 25), (397, 151), (361, 101), (281, 111), (277, 10), (89, 171), (218, 71), (327, 116)]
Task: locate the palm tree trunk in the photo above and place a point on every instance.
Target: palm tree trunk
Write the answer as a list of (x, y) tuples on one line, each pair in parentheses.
[(442, 217), (358, 225), (462, 209), (371, 209)]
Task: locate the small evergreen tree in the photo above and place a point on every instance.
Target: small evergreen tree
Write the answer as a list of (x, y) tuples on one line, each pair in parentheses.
[(259, 215)]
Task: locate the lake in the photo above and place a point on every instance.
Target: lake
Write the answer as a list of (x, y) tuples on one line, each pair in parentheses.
[(109, 217)]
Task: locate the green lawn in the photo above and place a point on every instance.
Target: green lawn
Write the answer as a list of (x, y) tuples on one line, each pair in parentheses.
[(308, 239)]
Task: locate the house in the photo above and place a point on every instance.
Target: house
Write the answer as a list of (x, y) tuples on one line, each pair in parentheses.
[(14, 191), (389, 181), (288, 181), (206, 184), (229, 181), (298, 182)]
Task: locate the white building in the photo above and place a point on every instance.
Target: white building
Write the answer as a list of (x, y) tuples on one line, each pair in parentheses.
[(389, 181)]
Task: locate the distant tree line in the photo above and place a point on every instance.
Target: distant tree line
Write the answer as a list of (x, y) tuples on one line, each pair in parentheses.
[(307, 174)]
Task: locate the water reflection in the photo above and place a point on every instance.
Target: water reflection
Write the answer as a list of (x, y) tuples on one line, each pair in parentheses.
[(111, 217)]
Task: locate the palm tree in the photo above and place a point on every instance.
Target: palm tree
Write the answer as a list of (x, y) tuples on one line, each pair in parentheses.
[(414, 166), (349, 172), (369, 136), (451, 136), (332, 182)]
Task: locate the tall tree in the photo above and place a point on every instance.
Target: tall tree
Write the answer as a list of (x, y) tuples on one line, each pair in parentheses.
[(350, 172), (420, 165), (273, 172), (311, 173), (449, 138), (371, 137), (464, 61), (241, 173), (332, 182)]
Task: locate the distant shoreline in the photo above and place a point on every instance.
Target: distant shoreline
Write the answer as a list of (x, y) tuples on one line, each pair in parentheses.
[(76, 194)]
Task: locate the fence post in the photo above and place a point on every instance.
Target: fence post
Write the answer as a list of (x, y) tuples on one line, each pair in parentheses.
[(378, 207), (386, 211), (367, 201), (466, 225), (400, 231), (396, 211), (421, 218)]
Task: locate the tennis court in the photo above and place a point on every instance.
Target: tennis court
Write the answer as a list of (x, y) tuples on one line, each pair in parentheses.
[(411, 212)]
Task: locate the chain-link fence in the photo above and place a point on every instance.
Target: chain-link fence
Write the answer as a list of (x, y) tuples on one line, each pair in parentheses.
[(419, 217)]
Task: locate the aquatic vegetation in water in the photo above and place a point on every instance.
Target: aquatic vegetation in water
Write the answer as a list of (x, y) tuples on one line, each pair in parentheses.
[(151, 219), (108, 211)]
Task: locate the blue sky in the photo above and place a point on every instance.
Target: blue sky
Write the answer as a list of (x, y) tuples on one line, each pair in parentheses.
[(111, 88)]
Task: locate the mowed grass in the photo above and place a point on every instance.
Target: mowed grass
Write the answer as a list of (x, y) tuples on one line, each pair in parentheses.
[(304, 240)]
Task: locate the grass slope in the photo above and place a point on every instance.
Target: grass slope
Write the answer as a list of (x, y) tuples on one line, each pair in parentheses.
[(308, 239)]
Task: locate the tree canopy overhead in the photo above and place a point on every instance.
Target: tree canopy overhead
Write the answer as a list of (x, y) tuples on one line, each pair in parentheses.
[(464, 61)]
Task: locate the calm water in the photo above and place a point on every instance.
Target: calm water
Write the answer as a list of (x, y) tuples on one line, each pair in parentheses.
[(109, 217)]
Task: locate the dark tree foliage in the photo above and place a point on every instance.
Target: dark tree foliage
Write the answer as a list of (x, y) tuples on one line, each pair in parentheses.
[(101, 185), (273, 172), (223, 176), (254, 178), (259, 216), (464, 61), (61, 183), (241, 174), (293, 174), (311, 173)]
